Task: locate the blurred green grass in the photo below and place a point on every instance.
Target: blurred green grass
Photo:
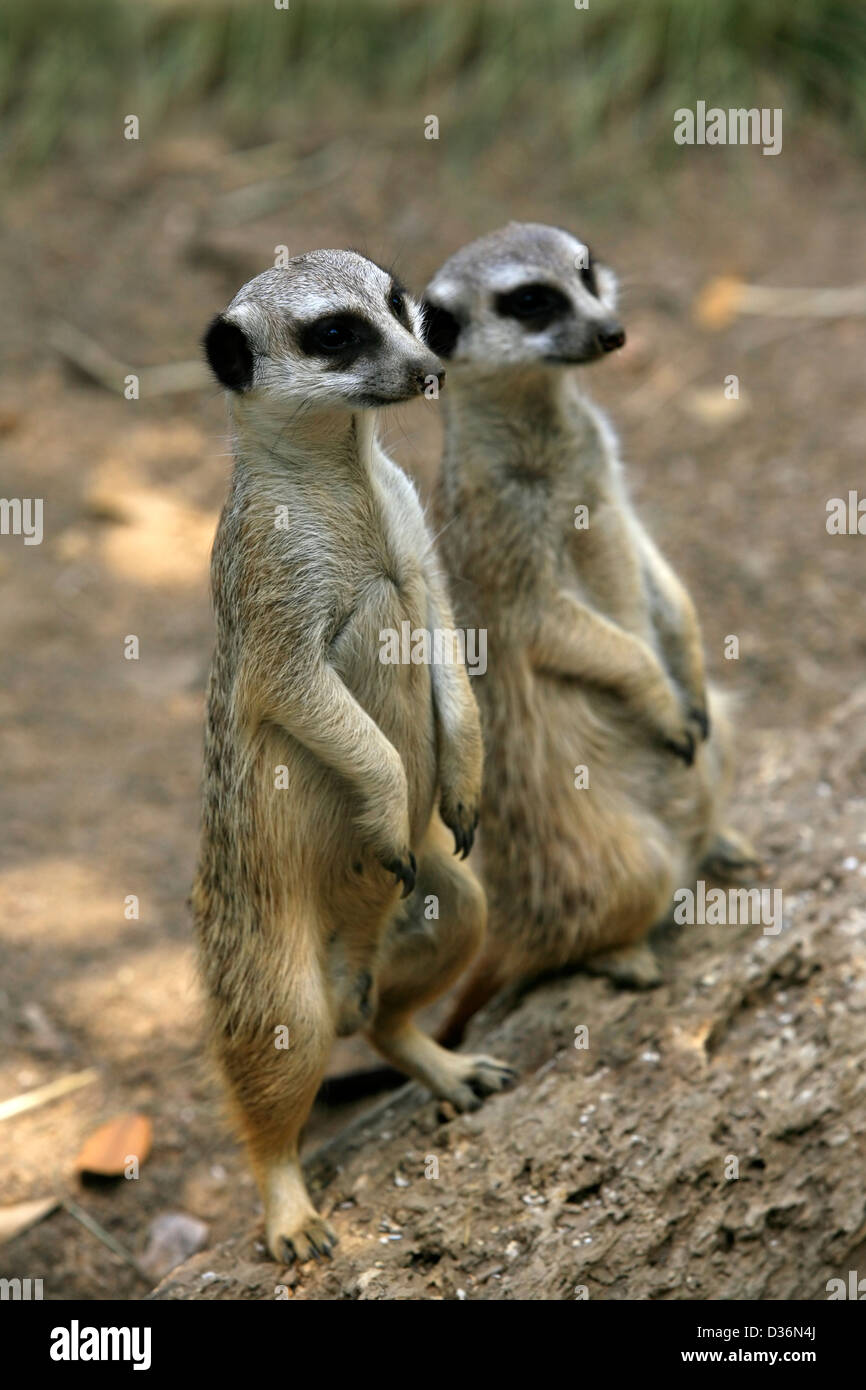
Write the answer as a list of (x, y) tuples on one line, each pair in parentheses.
[(70, 72)]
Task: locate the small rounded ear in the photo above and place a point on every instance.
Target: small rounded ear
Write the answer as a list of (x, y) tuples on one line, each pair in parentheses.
[(441, 329), (229, 354)]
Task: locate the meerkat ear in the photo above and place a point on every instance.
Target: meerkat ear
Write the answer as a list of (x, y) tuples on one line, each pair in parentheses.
[(441, 329), (229, 354)]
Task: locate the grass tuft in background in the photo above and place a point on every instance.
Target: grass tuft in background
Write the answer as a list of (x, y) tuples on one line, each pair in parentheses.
[(249, 69)]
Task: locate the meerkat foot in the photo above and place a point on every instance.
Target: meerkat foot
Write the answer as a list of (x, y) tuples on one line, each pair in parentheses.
[(483, 1077), (314, 1241), (630, 967), (730, 856), (462, 1079), (294, 1229)]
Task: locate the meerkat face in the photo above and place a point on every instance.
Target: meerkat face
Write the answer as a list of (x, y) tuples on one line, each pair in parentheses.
[(330, 330), (525, 295)]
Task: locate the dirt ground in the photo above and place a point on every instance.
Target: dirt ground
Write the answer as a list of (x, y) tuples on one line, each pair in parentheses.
[(101, 755)]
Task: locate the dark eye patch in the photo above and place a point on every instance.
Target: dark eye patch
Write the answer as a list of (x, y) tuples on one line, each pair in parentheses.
[(534, 305), (440, 330), (342, 337)]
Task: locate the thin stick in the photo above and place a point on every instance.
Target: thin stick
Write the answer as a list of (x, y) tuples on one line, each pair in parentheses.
[(88, 356), (726, 296), (805, 303), (92, 359), (93, 1226), (43, 1094)]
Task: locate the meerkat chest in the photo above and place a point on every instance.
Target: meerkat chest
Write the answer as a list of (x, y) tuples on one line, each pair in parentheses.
[(383, 601), (600, 561), (395, 565), (380, 593), (396, 560), (381, 656)]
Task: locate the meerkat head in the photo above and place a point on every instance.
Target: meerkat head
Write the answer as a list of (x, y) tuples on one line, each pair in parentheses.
[(526, 295), (330, 330)]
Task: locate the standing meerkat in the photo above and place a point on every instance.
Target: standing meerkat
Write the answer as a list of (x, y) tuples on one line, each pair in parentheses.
[(595, 653), (324, 766)]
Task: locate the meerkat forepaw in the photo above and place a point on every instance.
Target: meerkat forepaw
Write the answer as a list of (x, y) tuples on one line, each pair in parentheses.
[(404, 867), (462, 820), (675, 728), (683, 746), (699, 715)]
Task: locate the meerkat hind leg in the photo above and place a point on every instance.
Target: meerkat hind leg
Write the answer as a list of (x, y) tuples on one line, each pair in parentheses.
[(482, 983), (425, 956), (271, 1093)]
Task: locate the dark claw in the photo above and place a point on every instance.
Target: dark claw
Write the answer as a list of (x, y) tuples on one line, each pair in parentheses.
[(464, 835), (483, 1087), (702, 719), (684, 750), (404, 873), (319, 1248)]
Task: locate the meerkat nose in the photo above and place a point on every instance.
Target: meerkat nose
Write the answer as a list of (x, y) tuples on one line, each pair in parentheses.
[(611, 338), (423, 378)]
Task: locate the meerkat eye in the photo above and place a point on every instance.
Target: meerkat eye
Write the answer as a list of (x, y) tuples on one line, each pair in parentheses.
[(333, 337), (397, 303), (335, 333), (537, 304), (587, 275)]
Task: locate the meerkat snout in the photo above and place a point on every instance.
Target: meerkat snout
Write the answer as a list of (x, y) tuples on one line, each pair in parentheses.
[(610, 339), (329, 330), (423, 376)]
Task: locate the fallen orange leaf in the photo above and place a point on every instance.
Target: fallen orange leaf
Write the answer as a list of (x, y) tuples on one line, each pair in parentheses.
[(108, 1150)]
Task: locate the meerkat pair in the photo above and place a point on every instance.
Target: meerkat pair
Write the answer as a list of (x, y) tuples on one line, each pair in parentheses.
[(324, 765), (331, 779)]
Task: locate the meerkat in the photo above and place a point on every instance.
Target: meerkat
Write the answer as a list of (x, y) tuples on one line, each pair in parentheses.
[(604, 786), (328, 898)]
